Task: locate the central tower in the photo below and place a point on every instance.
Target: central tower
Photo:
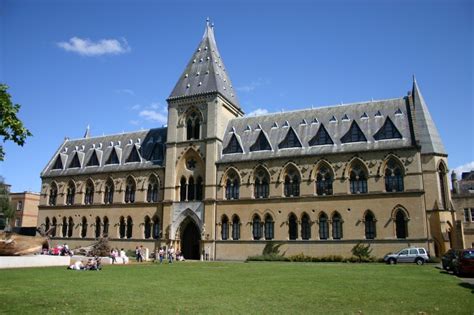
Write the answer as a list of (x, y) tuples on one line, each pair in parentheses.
[(199, 108)]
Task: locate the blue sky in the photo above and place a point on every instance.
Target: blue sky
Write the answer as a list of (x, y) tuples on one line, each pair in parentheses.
[(112, 64)]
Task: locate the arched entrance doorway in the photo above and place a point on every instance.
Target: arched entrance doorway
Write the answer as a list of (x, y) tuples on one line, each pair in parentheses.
[(190, 239)]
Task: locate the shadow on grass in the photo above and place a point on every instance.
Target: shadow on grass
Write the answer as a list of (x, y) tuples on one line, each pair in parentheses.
[(467, 286)]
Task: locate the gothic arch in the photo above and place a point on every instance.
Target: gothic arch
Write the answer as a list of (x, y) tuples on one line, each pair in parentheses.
[(395, 209), (188, 112), (350, 164), (387, 158), (307, 214), (225, 175), (289, 166), (258, 167), (186, 214), (317, 166)]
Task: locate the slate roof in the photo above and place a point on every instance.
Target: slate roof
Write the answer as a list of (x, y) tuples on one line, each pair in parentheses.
[(425, 129), (205, 72), (145, 141), (370, 117)]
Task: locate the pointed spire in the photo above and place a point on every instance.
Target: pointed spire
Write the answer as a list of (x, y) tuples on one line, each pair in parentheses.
[(205, 72), (87, 133), (425, 130)]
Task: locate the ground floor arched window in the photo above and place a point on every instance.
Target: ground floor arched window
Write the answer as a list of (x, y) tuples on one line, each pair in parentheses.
[(256, 228), (129, 227), (292, 227), (370, 231), (84, 227), (305, 227), (156, 228), (323, 227), (147, 227), (122, 227), (269, 227), (224, 228), (236, 228), (401, 224)]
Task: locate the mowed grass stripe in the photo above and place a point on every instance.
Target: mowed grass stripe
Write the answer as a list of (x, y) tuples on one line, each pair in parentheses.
[(244, 288)]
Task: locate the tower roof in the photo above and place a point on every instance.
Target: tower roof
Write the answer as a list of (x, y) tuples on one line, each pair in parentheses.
[(205, 72), (425, 129)]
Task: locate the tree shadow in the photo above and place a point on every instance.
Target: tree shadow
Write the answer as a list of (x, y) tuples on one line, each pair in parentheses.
[(467, 286)]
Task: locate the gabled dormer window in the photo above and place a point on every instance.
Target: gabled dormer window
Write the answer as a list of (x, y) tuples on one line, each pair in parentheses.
[(388, 131), (58, 164), (261, 144), (134, 156), (93, 160), (113, 158), (156, 153), (233, 146), (291, 140), (322, 137), (75, 161), (354, 134)]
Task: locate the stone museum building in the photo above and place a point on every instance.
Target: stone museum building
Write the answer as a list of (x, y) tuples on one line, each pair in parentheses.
[(218, 183), (463, 199)]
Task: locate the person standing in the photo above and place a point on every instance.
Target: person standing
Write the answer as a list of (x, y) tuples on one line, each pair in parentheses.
[(161, 253), (142, 253), (124, 257), (137, 253)]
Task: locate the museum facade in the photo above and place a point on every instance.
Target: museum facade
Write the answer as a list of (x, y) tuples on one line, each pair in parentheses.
[(220, 184)]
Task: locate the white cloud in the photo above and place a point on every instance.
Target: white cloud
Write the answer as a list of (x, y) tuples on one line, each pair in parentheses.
[(135, 107), (153, 115), (126, 91), (258, 112), (464, 168), (86, 47), (253, 85)]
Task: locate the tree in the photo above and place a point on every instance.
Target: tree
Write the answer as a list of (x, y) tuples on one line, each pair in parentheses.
[(11, 128), (362, 252), (6, 210)]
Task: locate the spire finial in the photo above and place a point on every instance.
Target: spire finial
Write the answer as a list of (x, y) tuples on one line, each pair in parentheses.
[(87, 133), (207, 21)]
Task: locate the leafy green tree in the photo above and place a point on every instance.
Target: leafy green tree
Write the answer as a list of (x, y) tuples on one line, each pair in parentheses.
[(361, 251), (6, 210), (11, 127)]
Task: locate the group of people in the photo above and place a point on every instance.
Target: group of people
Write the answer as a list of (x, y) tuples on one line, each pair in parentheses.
[(92, 264), (58, 250), (114, 253), (171, 254)]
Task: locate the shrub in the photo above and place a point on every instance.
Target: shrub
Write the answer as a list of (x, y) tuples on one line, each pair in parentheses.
[(361, 251), (101, 248), (267, 258)]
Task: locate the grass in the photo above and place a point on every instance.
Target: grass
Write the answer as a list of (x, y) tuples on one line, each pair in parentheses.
[(245, 288)]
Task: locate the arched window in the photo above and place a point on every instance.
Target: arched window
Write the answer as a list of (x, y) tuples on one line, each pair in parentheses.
[(53, 194), (109, 192), (232, 186), (256, 228), (152, 191), (130, 191), (156, 227), (89, 195), (292, 184), (191, 189), (393, 177), (324, 181), (305, 227), (46, 224), (84, 227), (336, 226), (55, 226), (105, 232), (236, 227), (147, 230), (129, 227), (401, 224), (225, 228), (358, 180), (269, 227), (199, 188), (262, 180), (64, 227), (370, 230), (442, 185), (193, 126), (323, 227), (70, 193), (70, 227), (293, 227), (182, 189), (122, 227), (98, 227)]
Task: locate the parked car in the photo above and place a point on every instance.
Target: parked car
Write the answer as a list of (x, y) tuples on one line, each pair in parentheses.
[(448, 258), (418, 255), (464, 263)]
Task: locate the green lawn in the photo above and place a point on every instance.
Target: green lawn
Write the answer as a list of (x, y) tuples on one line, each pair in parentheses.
[(220, 288)]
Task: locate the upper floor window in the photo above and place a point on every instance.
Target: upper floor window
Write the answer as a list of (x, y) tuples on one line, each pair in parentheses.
[(19, 205), (358, 180), (113, 157), (75, 161), (292, 184), (324, 181), (109, 192), (152, 191), (134, 156), (93, 160), (130, 191), (58, 164), (393, 177), (290, 141), (354, 134), (193, 126), (233, 146), (53, 194), (232, 186), (261, 144), (322, 137), (89, 195), (70, 194), (387, 131), (156, 152), (262, 184), (442, 185)]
